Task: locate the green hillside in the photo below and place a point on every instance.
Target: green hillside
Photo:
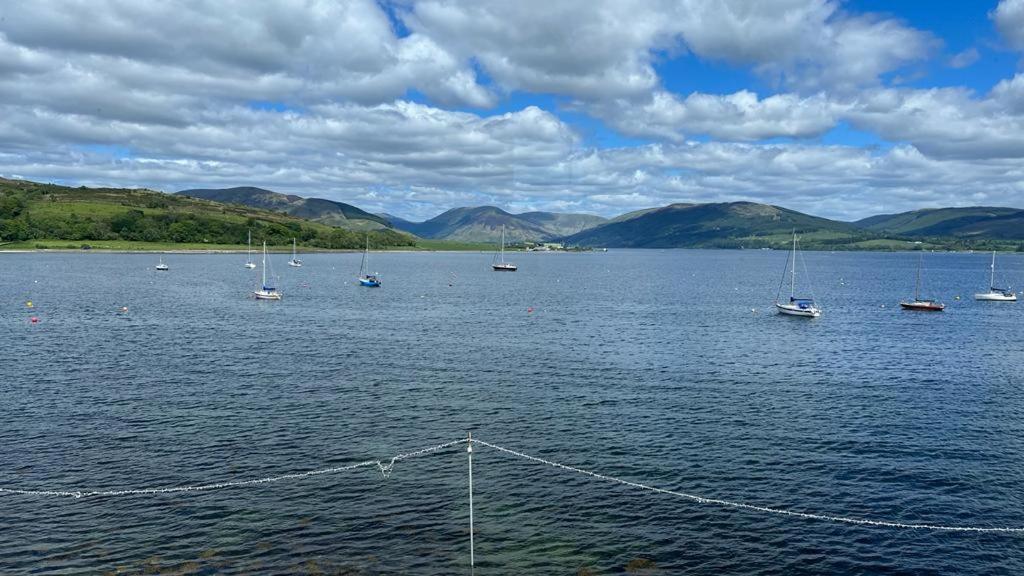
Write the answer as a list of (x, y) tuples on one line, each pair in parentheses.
[(720, 225), (49, 215), (319, 210), (974, 222)]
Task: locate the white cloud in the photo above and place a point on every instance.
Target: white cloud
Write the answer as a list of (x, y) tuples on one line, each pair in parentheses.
[(293, 51), (1009, 20), (948, 122), (598, 50), (965, 58), (389, 158), (738, 116)]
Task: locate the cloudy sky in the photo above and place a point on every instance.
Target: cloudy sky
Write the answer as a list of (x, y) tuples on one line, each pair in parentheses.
[(841, 109)]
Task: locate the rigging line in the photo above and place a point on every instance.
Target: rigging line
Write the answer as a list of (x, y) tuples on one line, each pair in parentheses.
[(384, 468), (778, 295), (754, 507), (807, 274)]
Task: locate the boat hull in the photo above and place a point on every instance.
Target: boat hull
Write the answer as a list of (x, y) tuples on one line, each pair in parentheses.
[(996, 297), (923, 306), (504, 267), (265, 295), (163, 268), (295, 264), (794, 310), (250, 266), (369, 282)]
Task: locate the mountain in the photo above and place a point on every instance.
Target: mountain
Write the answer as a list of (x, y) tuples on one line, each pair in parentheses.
[(976, 222), (319, 210), (719, 225), (483, 224), (48, 215)]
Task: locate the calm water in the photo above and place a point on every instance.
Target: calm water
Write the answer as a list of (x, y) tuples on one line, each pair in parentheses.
[(665, 367)]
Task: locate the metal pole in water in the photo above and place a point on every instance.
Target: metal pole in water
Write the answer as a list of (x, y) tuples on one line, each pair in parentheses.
[(469, 450)]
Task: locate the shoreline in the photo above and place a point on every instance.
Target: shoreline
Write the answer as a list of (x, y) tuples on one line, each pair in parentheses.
[(192, 251)]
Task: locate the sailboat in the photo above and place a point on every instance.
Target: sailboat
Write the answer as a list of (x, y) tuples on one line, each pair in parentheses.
[(249, 264), (294, 261), (161, 266), (266, 291), (995, 294), (365, 278), (918, 303), (499, 264), (802, 307)]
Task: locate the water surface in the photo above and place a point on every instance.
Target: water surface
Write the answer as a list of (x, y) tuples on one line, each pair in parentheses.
[(664, 367)]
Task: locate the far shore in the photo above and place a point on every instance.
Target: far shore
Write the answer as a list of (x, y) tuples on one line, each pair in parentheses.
[(217, 251)]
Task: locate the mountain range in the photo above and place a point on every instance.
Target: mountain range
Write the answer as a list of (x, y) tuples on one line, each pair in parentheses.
[(484, 224), (711, 225), (319, 210)]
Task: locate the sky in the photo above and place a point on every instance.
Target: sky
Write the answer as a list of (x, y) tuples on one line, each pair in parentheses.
[(842, 109)]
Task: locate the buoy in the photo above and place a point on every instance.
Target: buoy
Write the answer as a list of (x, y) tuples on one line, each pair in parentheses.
[(124, 308), (34, 319), (529, 310), (29, 303)]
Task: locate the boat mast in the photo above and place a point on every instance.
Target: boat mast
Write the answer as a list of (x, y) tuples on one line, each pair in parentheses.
[(792, 282), (502, 249), (248, 249), (362, 266), (992, 276), (917, 287), (264, 264)]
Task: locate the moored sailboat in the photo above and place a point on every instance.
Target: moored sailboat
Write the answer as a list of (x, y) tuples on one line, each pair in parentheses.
[(499, 264), (801, 307), (995, 294), (266, 291), (294, 262), (918, 304), (365, 278), (161, 266)]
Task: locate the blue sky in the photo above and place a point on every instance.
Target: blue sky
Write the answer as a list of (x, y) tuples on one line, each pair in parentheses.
[(838, 108)]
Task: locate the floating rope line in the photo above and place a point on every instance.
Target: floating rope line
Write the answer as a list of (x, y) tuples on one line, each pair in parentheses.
[(752, 507), (384, 468)]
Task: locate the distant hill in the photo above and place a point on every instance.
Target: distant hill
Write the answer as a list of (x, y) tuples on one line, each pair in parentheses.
[(316, 209), (975, 222), (719, 225), (30, 211), (483, 224)]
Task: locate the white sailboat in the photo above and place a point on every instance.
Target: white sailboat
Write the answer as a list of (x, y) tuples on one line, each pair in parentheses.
[(995, 294), (802, 307), (266, 291), (249, 264), (161, 266), (499, 264), (294, 261), (365, 278)]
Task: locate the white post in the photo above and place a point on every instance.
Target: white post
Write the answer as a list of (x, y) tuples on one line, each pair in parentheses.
[(469, 450)]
